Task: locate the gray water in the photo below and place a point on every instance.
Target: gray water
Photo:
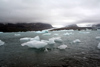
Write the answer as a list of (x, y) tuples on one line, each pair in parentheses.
[(12, 54)]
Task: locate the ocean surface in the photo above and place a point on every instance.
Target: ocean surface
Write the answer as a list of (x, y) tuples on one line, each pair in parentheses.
[(82, 54)]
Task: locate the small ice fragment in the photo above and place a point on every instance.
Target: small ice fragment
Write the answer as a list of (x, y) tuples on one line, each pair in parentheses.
[(17, 34), (25, 39), (35, 44), (47, 34), (98, 46), (76, 41), (62, 46), (98, 37), (1, 42)]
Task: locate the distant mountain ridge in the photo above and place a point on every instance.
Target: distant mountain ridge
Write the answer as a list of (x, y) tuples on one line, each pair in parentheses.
[(10, 27)]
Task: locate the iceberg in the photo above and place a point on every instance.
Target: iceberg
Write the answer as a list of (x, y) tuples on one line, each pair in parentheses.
[(35, 44), (62, 46), (76, 41), (1, 42)]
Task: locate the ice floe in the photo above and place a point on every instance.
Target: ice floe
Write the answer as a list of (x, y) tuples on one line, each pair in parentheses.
[(77, 41), (1, 42), (62, 46), (35, 44)]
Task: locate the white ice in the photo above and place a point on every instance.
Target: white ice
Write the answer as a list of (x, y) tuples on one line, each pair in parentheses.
[(55, 39), (30, 39), (25, 39), (17, 34), (62, 46), (35, 38), (76, 41), (35, 44), (1, 42)]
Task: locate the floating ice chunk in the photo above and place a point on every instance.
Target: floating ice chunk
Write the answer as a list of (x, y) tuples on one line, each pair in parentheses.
[(76, 41), (35, 38), (55, 39), (30, 39), (1, 42), (58, 40), (17, 34), (25, 39), (62, 46), (47, 34), (98, 46), (51, 41), (68, 33), (35, 44), (98, 37)]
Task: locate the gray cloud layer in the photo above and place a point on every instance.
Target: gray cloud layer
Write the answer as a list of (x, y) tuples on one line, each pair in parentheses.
[(50, 11)]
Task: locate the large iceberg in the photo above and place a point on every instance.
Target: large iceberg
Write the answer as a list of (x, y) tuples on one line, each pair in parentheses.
[(35, 44), (62, 46), (1, 42)]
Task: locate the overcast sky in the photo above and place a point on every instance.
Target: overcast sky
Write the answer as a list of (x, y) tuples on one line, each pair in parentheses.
[(55, 12)]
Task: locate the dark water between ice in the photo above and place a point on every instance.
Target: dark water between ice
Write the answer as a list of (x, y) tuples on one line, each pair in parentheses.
[(84, 54)]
